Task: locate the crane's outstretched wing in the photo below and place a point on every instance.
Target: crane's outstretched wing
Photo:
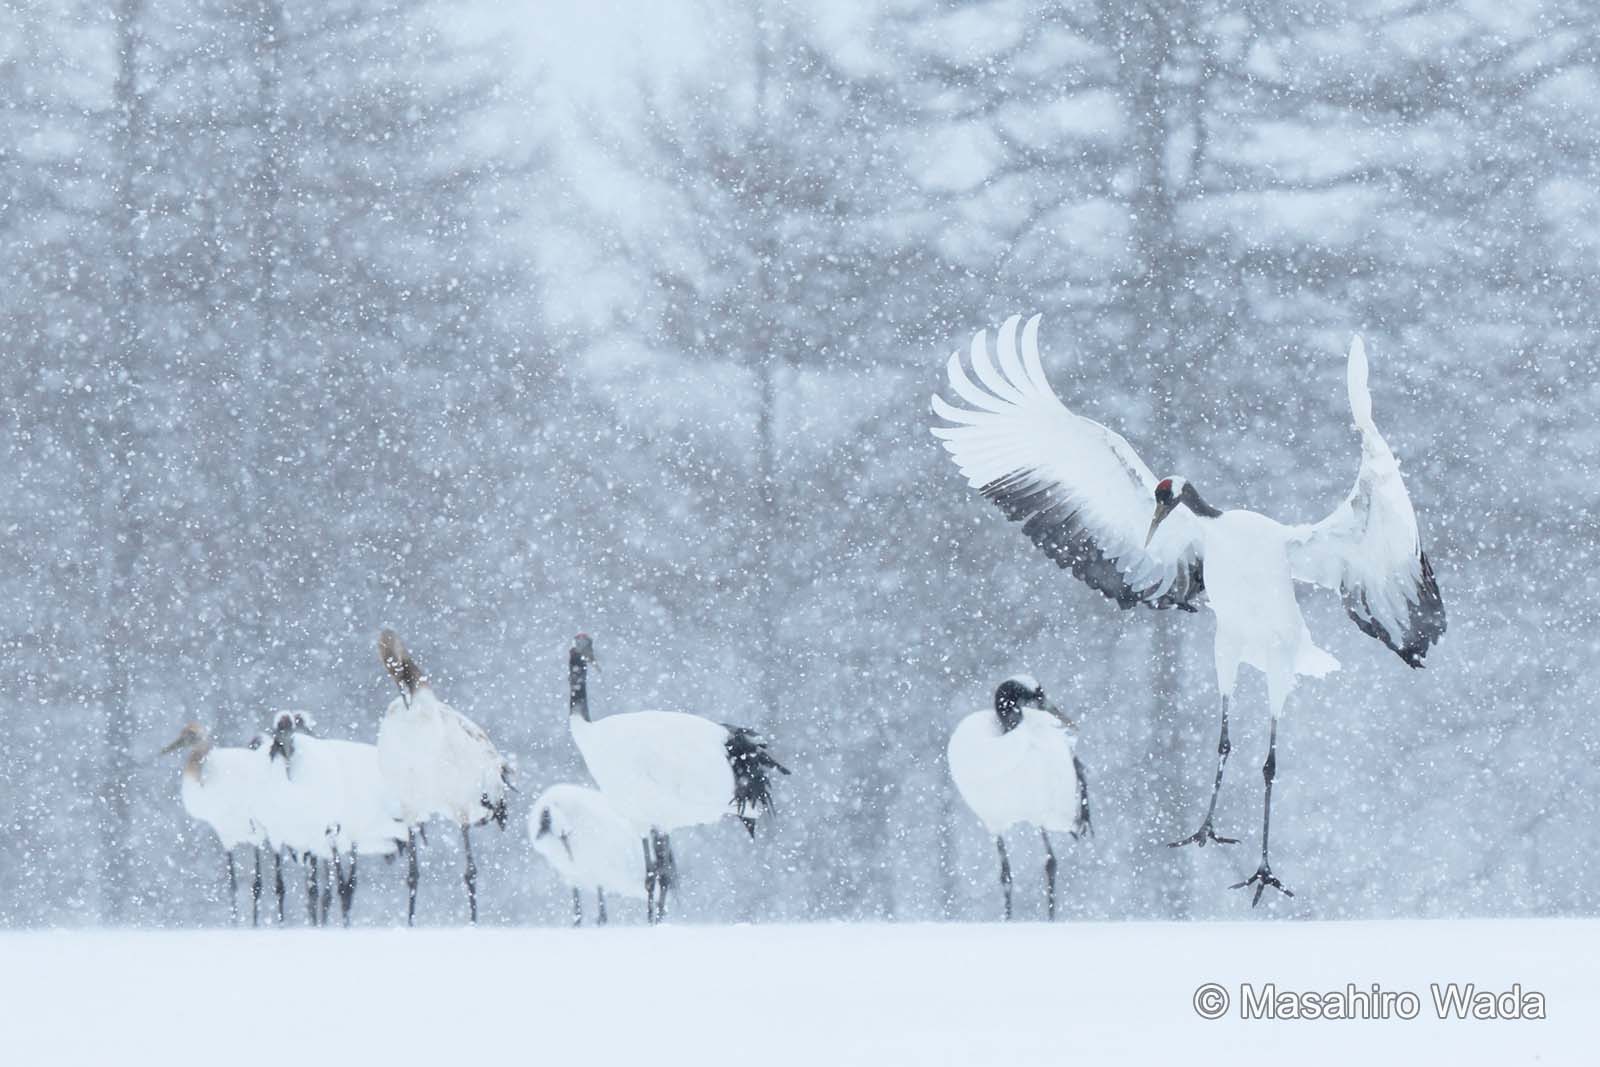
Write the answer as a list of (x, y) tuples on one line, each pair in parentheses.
[(1080, 491), (1369, 548)]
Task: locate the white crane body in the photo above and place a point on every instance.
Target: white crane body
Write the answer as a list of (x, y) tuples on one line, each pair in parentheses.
[(223, 788), (1022, 775), (438, 762), (588, 843), (662, 770)]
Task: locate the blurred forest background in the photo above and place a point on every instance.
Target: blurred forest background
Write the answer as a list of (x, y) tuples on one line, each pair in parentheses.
[(497, 322)]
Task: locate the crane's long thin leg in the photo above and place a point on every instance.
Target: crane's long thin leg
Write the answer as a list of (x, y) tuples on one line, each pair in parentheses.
[(649, 881), (471, 876), (277, 880), (577, 907), (350, 891), (1205, 835), (233, 891), (411, 876), (1049, 876), (346, 884), (1264, 876), (326, 902), (311, 889), (666, 873), (600, 905), (255, 892), (1005, 873)]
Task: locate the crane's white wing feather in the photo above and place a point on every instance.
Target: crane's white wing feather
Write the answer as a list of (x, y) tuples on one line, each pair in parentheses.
[(1369, 548), (1081, 492)]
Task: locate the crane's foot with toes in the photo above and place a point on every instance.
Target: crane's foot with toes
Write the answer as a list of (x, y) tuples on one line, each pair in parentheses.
[(1204, 836), (1261, 879)]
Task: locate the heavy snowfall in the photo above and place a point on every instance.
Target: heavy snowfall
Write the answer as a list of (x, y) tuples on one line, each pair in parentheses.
[(588, 351)]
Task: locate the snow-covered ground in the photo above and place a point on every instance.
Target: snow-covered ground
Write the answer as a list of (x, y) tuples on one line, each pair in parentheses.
[(771, 995)]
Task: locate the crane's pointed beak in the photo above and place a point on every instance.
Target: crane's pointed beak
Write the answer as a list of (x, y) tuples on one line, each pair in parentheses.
[(1067, 721), (566, 844), (176, 744), (1162, 511)]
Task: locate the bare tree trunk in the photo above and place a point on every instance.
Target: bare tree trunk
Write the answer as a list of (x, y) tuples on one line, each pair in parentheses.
[(1146, 47), (120, 504), (766, 358), (256, 367)]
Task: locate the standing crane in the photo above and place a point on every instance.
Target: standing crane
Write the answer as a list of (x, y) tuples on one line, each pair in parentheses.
[(1018, 763), (1086, 499), (436, 761), (223, 787)]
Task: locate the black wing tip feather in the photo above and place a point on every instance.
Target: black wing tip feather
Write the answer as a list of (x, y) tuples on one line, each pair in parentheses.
[(1054, 528), (1424, 627), (752, 765), (497, 809)]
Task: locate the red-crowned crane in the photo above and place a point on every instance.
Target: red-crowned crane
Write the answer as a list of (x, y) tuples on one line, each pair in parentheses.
[(666, 769), (339, 788), (437, 762), (301, 802), (223, 787), (589, 844), (1088, 501), (1016, 763)]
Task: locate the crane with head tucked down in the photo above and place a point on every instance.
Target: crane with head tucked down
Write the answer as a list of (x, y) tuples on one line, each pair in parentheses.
[(1087, 500)]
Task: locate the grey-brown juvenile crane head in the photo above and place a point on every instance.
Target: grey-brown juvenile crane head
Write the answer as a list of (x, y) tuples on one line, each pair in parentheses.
[(191, 734), (397, 661)]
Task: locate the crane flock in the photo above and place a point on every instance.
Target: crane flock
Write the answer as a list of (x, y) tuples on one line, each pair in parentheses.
[(1083, 497)]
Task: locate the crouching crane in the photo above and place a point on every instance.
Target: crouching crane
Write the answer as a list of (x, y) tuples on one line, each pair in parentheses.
[(589, 844), (1087, 500)]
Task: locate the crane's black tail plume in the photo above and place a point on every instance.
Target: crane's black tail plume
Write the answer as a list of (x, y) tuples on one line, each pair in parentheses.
[(752, 778), (398, 662)]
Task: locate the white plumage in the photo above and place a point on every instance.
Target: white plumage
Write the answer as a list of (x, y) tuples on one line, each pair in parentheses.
[(662, 770), (368, 820), (436, 761), (590, 845), (1015, 763), (1021, 775), (223, 788), (1084, 497), (302, 802), (304, 791)]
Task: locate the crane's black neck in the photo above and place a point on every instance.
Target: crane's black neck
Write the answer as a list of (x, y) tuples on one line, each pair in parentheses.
[(1007, 709), (578, 685), (1191, 497)]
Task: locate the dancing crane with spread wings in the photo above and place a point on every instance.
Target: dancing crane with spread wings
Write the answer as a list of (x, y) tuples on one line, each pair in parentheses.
[(1087, 500)]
